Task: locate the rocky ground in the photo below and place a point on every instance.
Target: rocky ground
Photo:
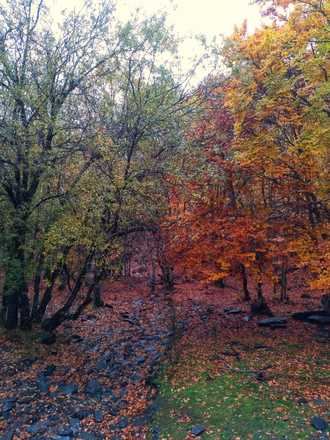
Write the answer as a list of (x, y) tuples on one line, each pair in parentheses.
[(94, 382), (97, 380)]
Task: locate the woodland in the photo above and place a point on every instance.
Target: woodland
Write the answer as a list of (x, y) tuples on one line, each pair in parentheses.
[(164, 244)]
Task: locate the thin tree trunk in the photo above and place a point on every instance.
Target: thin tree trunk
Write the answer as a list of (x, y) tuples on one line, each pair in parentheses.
[(284, 281), (41, 310), (247, 296)]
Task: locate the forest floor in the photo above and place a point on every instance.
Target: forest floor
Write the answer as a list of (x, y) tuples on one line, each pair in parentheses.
[(230, 379), (224, 377)]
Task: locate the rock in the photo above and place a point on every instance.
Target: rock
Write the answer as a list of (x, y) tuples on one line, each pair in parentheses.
[(47, 338), (302, 401), (319, 423), (42, 384), (81, 414), (197, 430), (49, 370), (76, 338), (155, 433), (65, 432), (317, 319), (123, 423), (232, 310), (8, 405), (247, 318), (273, 322), (74, 425), (140, 360), (93, 388), (325, 303), (98, 416), (9, 434), (68, 389), (87, 436), (304, 316), (38, 428), (28, 362), (141, 420)]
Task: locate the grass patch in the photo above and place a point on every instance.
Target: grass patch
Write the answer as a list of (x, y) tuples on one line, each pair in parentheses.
[(230, 406), (234, 404)]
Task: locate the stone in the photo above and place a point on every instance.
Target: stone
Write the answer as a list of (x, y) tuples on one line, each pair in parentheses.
[(317, 319), (77, 338), (98, 416), (197, 430), (155, 433), (49, 370), (68, 389), (42, 383), (232, 310), (304, 316), (9, 434), (38, 428), (302, 401), (65, 432), (325, 302), (273, 322), (319, 423), (123, 423), (87, 436), (8, 405), (93, 388), (81, 414), (74, 425)]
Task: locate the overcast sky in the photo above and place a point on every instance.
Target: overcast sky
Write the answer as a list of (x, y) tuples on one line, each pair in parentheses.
[(211, 18)]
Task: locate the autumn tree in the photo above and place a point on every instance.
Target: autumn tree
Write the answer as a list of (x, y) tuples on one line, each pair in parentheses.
[(259, 201)]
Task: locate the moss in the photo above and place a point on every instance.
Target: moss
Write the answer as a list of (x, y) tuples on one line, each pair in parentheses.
[(230, 406)]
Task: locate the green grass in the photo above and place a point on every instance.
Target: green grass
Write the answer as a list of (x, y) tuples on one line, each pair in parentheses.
[(232, 405)]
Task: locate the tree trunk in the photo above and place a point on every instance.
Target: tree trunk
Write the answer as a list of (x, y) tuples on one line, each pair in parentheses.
[(167, 277), (97, 297), (39, 313), (284, 282), (13, 288), (260, 307), (247, 296)]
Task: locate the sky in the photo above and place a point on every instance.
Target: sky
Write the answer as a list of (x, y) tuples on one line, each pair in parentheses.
[(211, 18)]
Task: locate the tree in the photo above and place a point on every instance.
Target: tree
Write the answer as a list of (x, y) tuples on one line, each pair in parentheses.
[(259, 200), (44, 73), (87, 135)]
